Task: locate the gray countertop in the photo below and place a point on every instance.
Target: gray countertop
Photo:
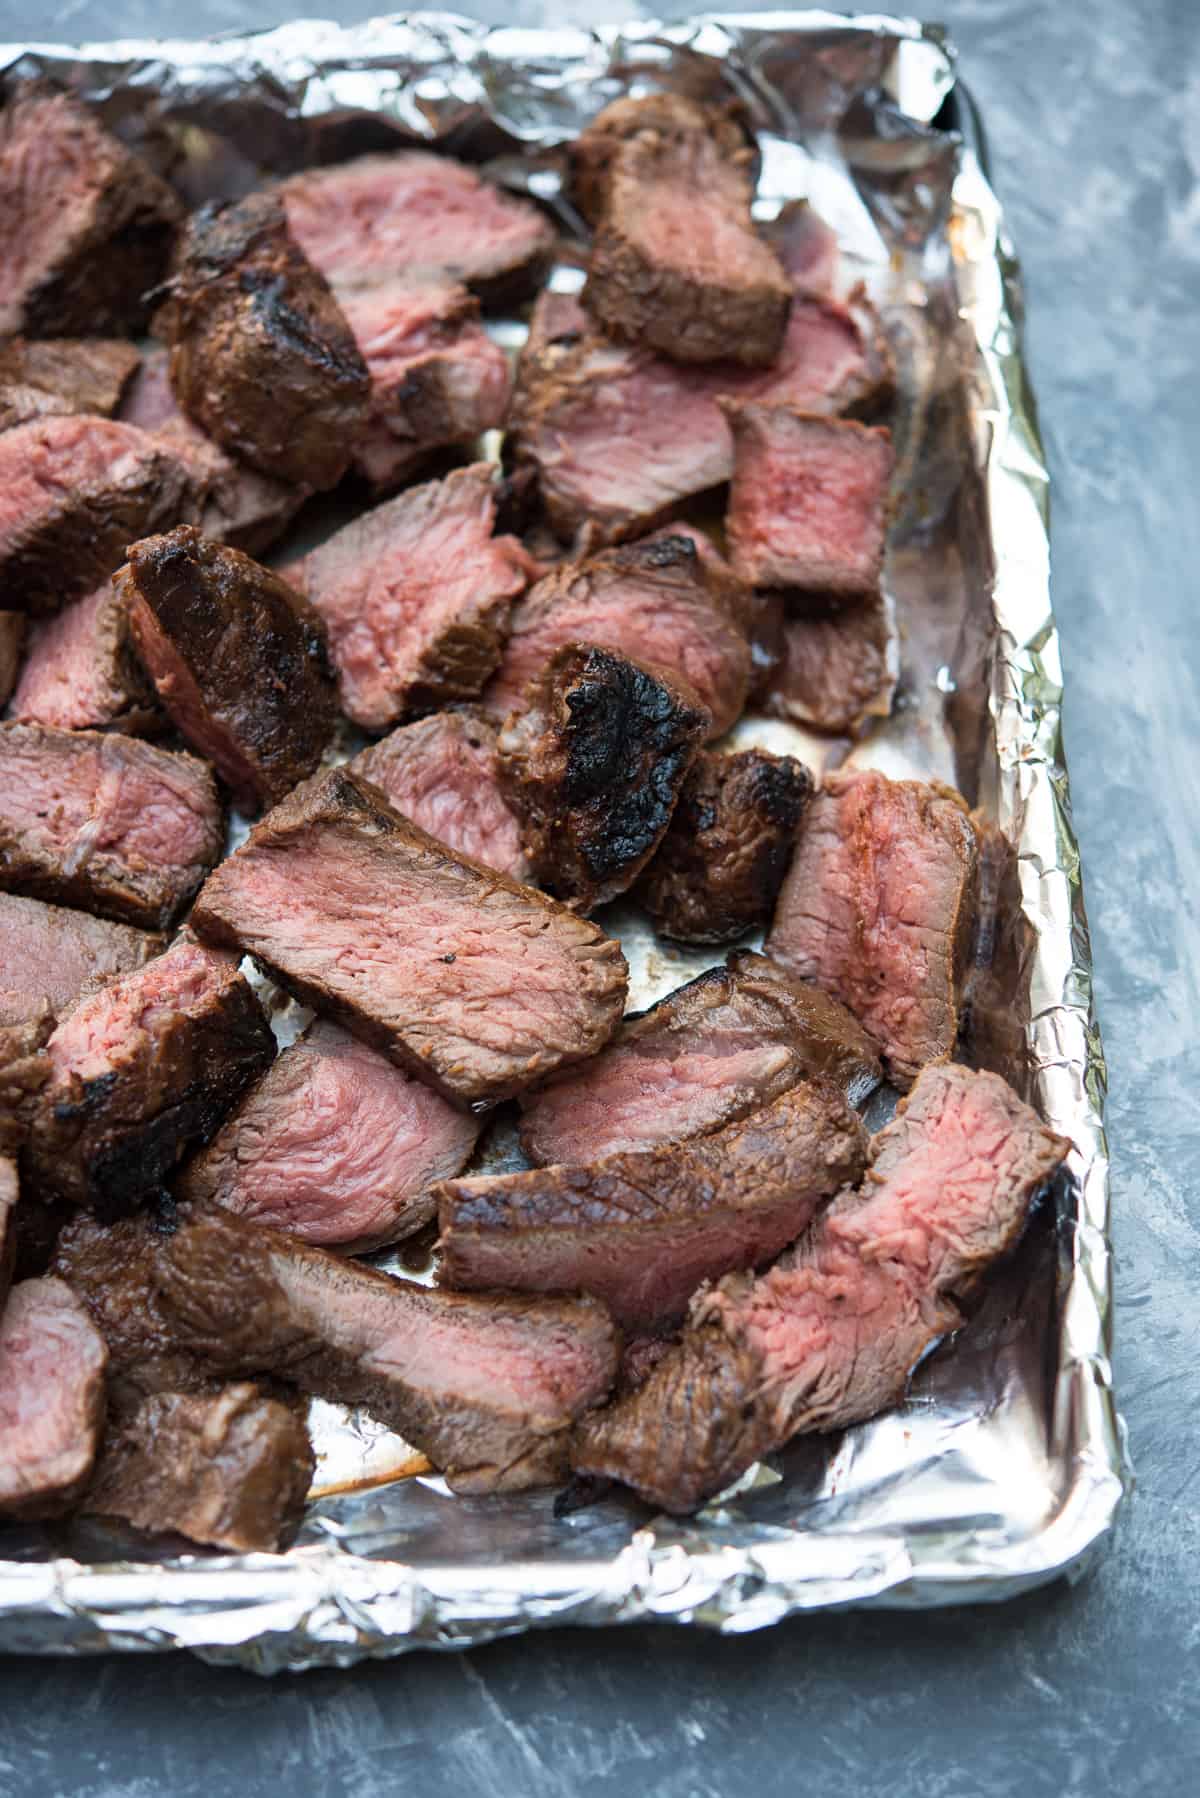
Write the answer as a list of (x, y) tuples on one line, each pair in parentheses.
[(1093, 111)]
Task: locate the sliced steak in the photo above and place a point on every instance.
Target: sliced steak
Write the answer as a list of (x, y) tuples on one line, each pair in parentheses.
[(10, 1192), (85, 226), (807, 247), (334, 1145), (808, 502), (830, 1335), (12, 642), (838, 665), (659, 602), (642, 1231), (237, 657), (249, 316), (81, 673), (718, 870), (593, 767), (709, 1053), (877, 909), (73, 493), (598, 147), (63, 375), (142, 1071), (416, 597), (231, 1469), (105, 822), (441, 773), (52, 1363), (420, 216), (475, 984), (49, 955)]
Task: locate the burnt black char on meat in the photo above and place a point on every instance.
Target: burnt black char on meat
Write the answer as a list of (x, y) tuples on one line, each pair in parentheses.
[(50, 955), (712, 1051), (837, 664), (237, 657), (81, 673), (85, 226), (830, 1335), (642, 1231), (12, 642), (262, 357), (718, 870), (105, 822), (466, 979), (63, 375), (52, 1364), (593, 765)]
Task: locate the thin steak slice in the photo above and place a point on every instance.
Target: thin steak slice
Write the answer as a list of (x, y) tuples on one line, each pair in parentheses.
[(837, 667), (85, 226), (830, 1335), (475, 984), (593, 768), (49, 955), (81, 673), (52, 1363), (487, 1387), (712, 1051), (642, 1231), (416, 596), (441, 774), (718, 870), (659, 602), (237, 657), (63, 375), (105, 822), (877, 909), (262, 357), (231, 1469), (334, 1145), (10, 1192), (808, 502), (12, 642), (142, 1071)]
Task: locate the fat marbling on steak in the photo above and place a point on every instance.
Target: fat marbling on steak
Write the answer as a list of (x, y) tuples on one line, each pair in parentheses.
[(52, 1365)]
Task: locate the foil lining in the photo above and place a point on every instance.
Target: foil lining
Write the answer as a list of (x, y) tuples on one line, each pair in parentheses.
[(1007, 1465)]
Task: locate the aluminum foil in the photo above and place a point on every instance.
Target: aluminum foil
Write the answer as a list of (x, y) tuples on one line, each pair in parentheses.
[(1007, 1465)]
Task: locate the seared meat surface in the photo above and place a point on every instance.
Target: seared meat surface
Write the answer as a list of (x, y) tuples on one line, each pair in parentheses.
[(63, 375)]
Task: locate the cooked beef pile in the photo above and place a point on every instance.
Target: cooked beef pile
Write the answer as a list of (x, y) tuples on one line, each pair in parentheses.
[(81, 671), (52, 1362), (63, 375)]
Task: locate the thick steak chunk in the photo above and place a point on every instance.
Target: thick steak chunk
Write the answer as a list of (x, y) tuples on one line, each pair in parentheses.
[(334, 1145), (48, 955), (73, 493), (830, 1335), (718, 870), (877, 909), (231, 1469), (487, 1387), (808, 502), (660, 602), (237, 657), (12, 641), (105, 822), (441, 773), (63, 375), (838, 665), (642, 1231), (724, 1045), (261, 355), (85, 226), (593, 767), (81, 673), (52, 1363), (416, 597), (474, 983), (599, 146), (10, 1192)]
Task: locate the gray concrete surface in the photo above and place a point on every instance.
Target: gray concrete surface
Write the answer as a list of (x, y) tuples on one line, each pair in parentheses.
[(1094, 117)]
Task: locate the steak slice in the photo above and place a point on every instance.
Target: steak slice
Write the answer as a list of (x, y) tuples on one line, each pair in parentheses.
[(10, 1192), (73, 493), (231, 1469), (473, 983), (52, 1364), (667, 115), (85, 226), (642, 1231), (81, 673), (441, 774), (593, 768), (142, 1071), (12, 641), (808, 502), (105, 822), (660, 602), (830, 1335), (712, 1051), (718, 870), (63, 375), (487, 1387), (416, 597), (877, 909), (249, 316), (428, 216), (237, 658), (49, 955), (838, 666), (334, 1145)]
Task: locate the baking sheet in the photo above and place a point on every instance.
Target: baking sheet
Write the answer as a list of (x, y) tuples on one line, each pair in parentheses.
[(1006, 1466)]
